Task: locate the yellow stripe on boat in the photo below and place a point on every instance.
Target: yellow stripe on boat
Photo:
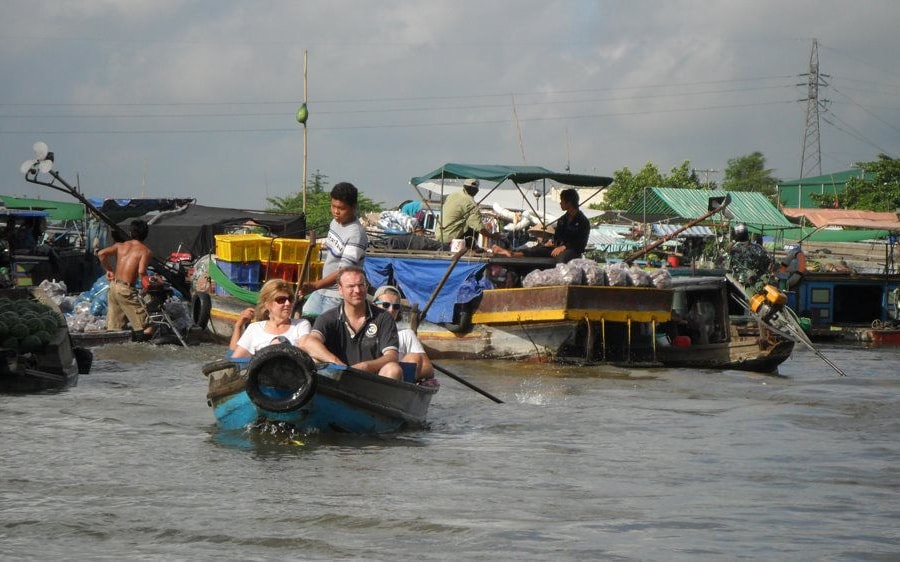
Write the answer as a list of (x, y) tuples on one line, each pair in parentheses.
[(542, 304)]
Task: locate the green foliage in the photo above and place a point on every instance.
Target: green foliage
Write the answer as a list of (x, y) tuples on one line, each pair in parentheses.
[(628, 188), (882, 193), (749, 173), (318, 204)]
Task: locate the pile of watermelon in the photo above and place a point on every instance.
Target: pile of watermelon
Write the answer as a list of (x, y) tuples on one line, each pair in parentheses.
[(27, 326)]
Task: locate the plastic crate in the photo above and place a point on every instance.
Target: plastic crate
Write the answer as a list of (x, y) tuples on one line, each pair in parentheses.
[(289, 250), (246, 272), (242, 247), (315, 270), (279, 270)]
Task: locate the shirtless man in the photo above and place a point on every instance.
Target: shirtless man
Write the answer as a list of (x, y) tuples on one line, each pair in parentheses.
[(132, 257)]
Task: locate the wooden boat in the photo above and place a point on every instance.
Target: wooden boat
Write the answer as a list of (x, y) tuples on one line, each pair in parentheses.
[(710, 328), (54, 363), (846, 305), (885, 336), (281, 384)]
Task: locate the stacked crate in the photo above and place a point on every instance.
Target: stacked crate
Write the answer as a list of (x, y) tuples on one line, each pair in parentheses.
[(240, 257), (286, 260)]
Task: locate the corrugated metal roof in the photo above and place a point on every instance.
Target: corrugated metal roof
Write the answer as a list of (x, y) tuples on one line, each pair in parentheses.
[(847, 217), (609, 238), (748, 207), (694, 231)]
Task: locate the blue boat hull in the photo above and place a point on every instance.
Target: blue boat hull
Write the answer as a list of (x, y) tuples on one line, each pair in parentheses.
[(345, 400)]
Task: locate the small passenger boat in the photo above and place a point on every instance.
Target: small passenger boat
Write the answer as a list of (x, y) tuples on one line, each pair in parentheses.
[(282, 384)]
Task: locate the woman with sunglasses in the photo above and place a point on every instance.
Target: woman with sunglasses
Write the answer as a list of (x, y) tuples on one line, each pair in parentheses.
[(411, 350), (274, 322)]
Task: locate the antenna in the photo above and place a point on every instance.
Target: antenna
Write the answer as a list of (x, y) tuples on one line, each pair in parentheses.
[(518, 128), (568, 162)]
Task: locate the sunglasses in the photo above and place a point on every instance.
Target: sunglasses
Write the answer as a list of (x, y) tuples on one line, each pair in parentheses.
[(281, 299), (388, 305)]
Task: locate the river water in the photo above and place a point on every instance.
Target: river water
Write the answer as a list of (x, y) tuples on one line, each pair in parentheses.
[(580, 463)]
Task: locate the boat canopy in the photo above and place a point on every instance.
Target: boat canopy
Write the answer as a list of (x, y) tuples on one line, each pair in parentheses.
[(55, 210), (516, 174), (193, 228)]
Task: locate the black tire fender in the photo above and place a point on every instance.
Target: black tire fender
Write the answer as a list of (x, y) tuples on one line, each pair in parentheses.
[(201, 306), (286, 368), (219, 365)]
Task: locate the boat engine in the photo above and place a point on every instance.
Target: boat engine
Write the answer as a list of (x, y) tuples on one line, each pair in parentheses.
[(768, 302)]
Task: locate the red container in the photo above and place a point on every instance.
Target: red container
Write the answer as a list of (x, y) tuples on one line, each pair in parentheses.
[(674, 261), (280, 270), (682, 341)]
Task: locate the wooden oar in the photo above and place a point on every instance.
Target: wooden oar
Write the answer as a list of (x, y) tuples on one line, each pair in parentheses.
[(463, 381)]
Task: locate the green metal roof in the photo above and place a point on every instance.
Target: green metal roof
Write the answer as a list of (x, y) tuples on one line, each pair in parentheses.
[(829, 235), (516, 174), (751, 208), (57, 210), (796, 193)]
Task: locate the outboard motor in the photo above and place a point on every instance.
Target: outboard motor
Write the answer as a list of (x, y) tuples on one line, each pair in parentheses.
[(768, 302)]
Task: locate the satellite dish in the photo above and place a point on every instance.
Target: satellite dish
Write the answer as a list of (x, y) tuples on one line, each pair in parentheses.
[(41, 150), (27, 166), (45, 166)]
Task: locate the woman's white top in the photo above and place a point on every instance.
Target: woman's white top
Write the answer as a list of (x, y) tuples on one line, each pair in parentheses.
[(256, 337), (409, 343)]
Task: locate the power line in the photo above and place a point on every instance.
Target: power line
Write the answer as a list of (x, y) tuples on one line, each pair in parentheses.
[(636, 113)]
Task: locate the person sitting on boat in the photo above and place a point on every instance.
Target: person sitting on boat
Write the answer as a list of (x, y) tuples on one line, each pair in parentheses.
[(569, 238), (132, 257), (749, 263), (411, 349), (355, 333), (273, 321), (346, 246), (461, 218), (792, 267)]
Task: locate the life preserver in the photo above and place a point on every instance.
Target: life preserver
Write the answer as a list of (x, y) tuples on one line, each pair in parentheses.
[(201, 305), (281, 378)]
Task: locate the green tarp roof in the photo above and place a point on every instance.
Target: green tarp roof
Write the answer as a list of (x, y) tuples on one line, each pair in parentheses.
[(58, 211), (796, 193), (829, 235), (516, 174), (751, 208)]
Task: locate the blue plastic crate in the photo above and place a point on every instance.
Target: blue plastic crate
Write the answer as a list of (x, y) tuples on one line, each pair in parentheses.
[(240, 272)]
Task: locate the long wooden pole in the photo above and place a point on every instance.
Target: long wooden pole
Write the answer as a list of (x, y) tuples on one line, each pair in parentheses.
[(305, 93)]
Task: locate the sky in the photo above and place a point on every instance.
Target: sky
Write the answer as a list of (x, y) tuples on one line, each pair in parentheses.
[(178, 98)]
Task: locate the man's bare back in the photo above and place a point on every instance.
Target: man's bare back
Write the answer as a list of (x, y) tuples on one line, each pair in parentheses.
[(132, 258)]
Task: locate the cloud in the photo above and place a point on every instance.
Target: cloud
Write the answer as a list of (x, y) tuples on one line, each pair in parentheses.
[(184, 98)]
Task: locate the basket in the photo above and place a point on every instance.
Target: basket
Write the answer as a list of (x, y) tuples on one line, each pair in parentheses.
[(242, 247), (289, 250), (240, 273)]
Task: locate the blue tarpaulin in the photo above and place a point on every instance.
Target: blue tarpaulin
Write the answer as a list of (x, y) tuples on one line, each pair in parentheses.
[(419, 278)]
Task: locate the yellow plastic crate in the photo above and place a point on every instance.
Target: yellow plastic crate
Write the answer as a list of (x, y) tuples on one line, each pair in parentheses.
[(289, 250), (242, 247), (315, 270)]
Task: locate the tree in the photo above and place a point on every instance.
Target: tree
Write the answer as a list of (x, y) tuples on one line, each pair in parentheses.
[(749, 173), (627, 188), (318, 204), (881, 193)]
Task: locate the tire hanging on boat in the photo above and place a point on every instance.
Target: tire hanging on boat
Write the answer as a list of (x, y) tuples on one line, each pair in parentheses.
[(281, 378), (201, 306)]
